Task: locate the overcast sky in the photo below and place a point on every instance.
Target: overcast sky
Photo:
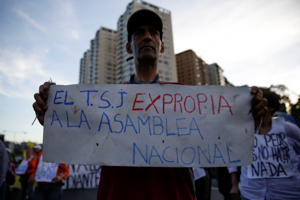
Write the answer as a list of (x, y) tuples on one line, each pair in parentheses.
[(254, 42)]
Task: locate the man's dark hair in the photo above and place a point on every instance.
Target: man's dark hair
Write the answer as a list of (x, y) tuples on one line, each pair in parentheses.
[(273, 99)]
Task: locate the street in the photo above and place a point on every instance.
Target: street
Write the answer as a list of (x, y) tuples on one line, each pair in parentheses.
[(88, 194)]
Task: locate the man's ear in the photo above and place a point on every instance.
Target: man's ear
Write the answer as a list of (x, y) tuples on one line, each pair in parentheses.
[(162, 47), (128, 48)]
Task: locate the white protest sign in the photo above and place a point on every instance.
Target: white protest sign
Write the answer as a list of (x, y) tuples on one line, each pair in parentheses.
[(199, 172), (163, 125), (45, 172), (82, 177), (271, 157), (21, 169)]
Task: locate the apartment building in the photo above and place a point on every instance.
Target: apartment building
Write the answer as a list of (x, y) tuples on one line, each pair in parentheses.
[(84, 68), (167, 63), (191, 69), (98, 64), (216, 74)]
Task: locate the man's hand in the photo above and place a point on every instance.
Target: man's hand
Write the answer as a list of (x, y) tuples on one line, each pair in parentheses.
[(235, 192), (40, 105), (57, 179), (259, 106)]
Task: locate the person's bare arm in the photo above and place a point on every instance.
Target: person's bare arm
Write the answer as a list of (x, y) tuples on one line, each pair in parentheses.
[(235, 192), (259, 106), (40, 105)]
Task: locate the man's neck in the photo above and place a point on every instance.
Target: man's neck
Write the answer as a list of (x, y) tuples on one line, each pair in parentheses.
[(146, 73), (147, 77), (266, 124)]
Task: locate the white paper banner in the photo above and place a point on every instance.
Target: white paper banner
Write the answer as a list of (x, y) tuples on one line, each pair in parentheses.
[(21, 169), (271, 158), (149, 125), (45, 171), (199, 172), (82, 177)]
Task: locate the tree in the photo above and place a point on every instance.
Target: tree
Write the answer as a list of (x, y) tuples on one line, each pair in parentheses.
[(295, 112), (283, 92), (285, 101)]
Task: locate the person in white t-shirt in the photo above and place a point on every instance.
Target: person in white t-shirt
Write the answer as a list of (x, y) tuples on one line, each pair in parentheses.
[(274, 173)]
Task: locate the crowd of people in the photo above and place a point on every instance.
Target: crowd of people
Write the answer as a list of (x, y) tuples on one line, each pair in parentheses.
[(145, 44), (145, 36), (47, 188)]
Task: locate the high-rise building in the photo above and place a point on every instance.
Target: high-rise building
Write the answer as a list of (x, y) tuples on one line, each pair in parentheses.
[(191, 69), (166, 64), (103, 57), (98, 64), (227, 83), (216, 74), (84, 68)]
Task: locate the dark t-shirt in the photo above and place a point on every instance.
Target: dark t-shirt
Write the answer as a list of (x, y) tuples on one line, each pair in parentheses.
[(146, 183)]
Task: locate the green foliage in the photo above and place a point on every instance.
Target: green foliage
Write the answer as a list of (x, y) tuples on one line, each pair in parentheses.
[(284, 93), (295, 112), (18, 150)]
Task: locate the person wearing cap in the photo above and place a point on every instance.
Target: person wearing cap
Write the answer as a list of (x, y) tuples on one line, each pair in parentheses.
[(24, 178), (46, 190), (37, 150), (145, 43)]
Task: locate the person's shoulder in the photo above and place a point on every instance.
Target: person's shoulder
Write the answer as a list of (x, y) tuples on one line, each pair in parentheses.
[(291, 126), (2, 145), (291, 129), (34, 159)]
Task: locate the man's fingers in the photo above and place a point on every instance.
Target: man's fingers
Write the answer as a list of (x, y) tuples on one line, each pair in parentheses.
[(258, 117), (37, 109), (254, 90), (43, 90), (40, 105), (40, 113), (47, 85), (258, 96), (259, 106), (40, 102), (259, 112)]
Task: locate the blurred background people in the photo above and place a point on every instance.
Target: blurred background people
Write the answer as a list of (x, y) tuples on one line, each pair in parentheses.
[(3, 169), (202, 182), (224, 182), (37, 150), (49, 190), (274, 173), (25, 179)]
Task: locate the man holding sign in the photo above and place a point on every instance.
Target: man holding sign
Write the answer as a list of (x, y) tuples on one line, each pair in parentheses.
[(274, 173), (26, 170), (49, 177), (145, 44)]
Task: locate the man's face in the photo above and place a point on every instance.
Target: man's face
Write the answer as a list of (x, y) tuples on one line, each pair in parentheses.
[(36, 151), (145, 44)]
